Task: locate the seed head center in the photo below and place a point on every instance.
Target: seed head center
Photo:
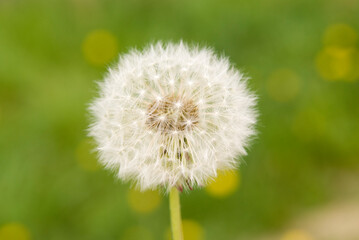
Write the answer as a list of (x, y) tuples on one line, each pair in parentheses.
[(172, 114)]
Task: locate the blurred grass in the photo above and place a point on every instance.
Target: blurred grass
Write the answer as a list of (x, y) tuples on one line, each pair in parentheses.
[(308, 132)]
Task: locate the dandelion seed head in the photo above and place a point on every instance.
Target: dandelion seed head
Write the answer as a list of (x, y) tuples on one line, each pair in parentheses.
[(172, 115)]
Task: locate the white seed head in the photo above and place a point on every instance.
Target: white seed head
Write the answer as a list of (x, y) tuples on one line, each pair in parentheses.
[(172, 115)]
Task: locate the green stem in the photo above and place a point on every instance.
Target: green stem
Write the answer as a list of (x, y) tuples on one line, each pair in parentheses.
[(175, 210)]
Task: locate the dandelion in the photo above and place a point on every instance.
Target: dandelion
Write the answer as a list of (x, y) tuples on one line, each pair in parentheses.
[(171, 117)]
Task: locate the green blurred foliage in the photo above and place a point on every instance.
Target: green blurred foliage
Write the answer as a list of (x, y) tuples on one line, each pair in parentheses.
[(306, 139)]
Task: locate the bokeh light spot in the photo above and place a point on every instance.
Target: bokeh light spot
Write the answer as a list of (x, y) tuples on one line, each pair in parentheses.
[(85, 156), (283, 85), (14, 231), (137, 233), (224, 185), (192, 230), (143, 202), (338, 63), (296, 235), (340, 35), (99, 47)]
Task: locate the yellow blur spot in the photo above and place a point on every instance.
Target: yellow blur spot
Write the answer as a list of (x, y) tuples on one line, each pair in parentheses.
[(340, 35), (283, 85), (224, 185), (191, 231), (99, 47), (137, 233), (296, 235), (143, 202), (14, 231), (85, 156), (338, 63)]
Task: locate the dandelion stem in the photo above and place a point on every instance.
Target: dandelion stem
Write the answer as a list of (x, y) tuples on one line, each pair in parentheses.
[(175, 210)]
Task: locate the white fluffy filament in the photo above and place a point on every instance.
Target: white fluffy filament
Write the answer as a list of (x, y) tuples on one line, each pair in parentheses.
[(172, 116)]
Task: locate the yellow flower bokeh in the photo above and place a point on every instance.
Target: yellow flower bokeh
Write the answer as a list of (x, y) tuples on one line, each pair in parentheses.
[(296, 235), (224, 185), (143, 202), (339, 59), (338, 63), (340, 35), (99, 47), (192, 230), (14, 231)]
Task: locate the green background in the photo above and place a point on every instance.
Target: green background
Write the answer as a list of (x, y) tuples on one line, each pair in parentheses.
[(306, 153)]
